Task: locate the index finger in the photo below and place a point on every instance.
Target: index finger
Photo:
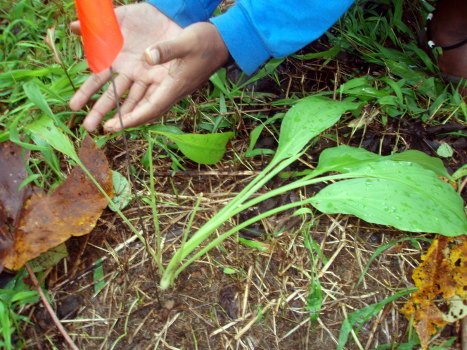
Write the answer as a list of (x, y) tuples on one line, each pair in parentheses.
[(89, 88), (158, 100)]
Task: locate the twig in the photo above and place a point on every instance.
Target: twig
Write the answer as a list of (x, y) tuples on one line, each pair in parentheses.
[(464, 333), (130, 176), (461, 188), (50, 310)]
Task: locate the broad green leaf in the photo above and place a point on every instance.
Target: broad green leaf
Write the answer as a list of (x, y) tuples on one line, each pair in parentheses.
[(424, 160), (122, 191), (343, 159), (307, 119), (204, 149), (47, 130), (399, 194)]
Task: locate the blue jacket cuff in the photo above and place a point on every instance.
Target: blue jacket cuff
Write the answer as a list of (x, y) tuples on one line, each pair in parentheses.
[(185, 12), (241, 39)]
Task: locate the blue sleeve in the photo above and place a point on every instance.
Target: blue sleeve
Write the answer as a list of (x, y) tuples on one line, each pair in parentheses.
[(256, 30), (186, 12)]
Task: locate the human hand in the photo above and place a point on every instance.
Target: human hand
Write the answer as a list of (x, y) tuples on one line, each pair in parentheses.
[(159, 64)]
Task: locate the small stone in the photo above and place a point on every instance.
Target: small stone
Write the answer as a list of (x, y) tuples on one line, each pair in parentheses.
[(169, 304)]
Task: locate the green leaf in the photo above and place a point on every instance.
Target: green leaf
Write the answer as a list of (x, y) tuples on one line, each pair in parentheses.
[(122, 191), (430, 163), (166, 128), (266, 70), (331, 53), (382, 248), (34, 94), (399, 194), (204, 149), (218, 79), (359, 317), (47, 130), (445, 151), (25, 297), (256, 133), (343, 159), (98, 277), (403, 70), (263, 247), (48, 154), (314, 300), (307, 119), (461, 172), (229, 271), (50, 258)]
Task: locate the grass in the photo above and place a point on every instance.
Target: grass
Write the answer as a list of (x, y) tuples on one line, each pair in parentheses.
[(332, 264)]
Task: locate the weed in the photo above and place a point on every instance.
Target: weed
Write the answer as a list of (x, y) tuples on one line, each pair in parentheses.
[(14, 296)]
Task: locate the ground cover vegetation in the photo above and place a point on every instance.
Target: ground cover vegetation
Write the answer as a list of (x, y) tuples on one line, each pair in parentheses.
[(283, 210)]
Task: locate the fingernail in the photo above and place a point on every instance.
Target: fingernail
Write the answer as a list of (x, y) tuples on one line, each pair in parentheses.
[(109, 127), (112, 126), (152, 56)]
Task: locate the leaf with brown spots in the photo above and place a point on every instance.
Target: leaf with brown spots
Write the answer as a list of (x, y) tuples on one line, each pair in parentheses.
[(441, 280), (71, 209)]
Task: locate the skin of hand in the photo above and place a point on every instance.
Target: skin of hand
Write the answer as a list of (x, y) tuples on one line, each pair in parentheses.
[(160, 63)]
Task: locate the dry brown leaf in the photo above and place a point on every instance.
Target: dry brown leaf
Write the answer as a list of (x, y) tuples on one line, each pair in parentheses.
[(72, 209), (442, 287), (12, 173)]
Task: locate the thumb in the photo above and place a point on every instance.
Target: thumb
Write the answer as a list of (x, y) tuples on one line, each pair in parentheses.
[(166, 51), (75, 27)]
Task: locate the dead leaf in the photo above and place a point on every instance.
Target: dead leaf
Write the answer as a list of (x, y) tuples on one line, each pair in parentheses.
[(71, 209), (50, 42), (441, 280), (228, 301), (12, 173)]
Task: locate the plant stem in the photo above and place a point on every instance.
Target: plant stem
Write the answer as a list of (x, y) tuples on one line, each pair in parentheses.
[(118, 211), (50, 310), (237, 228), (233, 208), (155, 216)]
